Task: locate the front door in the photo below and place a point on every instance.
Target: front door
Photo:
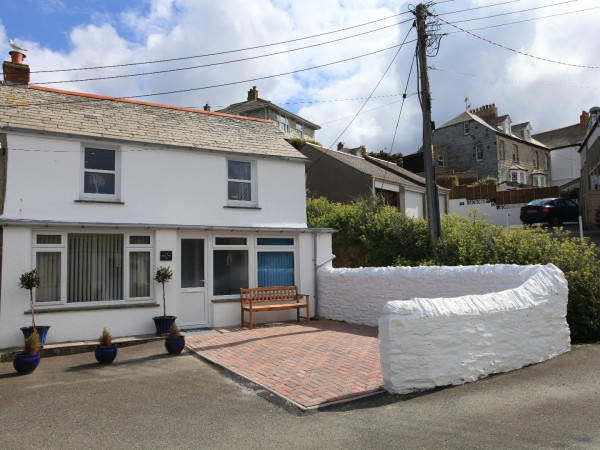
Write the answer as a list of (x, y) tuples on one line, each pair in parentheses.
[(193, 307)]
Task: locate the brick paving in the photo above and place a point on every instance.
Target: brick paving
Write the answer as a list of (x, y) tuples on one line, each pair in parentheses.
[(308, 364)]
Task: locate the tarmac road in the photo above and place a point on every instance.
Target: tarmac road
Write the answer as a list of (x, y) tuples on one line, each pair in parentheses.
[(148, 399)]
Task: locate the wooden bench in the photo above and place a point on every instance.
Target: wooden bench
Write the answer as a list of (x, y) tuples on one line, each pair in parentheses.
[(273, 298)]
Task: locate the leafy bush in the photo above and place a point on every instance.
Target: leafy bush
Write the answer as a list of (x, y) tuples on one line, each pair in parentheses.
[(447, 181), (106, 339), (371, 234), (299, 142), (32, 343), (487, 181)]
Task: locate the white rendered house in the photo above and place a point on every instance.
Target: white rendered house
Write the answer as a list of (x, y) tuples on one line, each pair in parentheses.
[(98, 192)]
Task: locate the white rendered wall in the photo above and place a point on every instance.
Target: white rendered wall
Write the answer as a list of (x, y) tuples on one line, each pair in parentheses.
[(157, 187), (359, 295), (565, 164), (503, 217), (429, 342)]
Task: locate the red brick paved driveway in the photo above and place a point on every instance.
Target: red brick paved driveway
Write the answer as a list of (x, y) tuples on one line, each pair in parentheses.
[(308, 364)]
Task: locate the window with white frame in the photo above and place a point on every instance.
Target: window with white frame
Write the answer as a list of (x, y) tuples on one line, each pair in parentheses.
[(100, 178), (284, 123), (275, 261), (240, 183), (514, 177), (515, 153), (501, 150), (522, 178), (299, 132), (595, 179), (230, 265), (479, 151), (92, 267), (466, 128), (547, 162), (441, 160), (536, 159)]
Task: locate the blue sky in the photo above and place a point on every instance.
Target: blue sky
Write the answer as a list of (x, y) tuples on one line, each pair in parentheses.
[(67, 34)]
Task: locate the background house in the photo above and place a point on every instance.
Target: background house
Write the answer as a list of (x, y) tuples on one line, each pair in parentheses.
[(99, 191), (287, 122), (481, 141), (565, 160), (590, 169), (345, 175)]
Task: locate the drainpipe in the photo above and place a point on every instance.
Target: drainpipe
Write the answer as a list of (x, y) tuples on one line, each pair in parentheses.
[(317, 265)]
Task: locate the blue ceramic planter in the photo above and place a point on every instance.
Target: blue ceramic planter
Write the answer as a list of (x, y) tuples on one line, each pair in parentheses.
[(25, 363), (106, 355), (175, 346), (41, 329), (163, 324)]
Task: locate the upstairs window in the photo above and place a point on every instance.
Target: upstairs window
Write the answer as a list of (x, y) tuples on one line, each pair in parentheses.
[(100, 174), (479, 151), (299, 132), (536, 159), (501, 151), (466, 128), (284, 123), (240, 183), (441, 160), (515, 153)]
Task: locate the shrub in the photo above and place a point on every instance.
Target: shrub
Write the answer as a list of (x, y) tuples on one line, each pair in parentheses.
[(487, 181), (32, 344), (377, 235), (174, 332), (299, 142), (106, 339), (447, 181)]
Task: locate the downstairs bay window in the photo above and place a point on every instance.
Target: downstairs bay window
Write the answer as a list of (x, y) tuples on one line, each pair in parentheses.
[(92, 267)]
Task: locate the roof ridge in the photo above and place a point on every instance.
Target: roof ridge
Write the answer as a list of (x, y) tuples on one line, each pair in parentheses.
[(138, 102)]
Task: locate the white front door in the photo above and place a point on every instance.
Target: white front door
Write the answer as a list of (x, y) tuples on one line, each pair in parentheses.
[(193, 305)]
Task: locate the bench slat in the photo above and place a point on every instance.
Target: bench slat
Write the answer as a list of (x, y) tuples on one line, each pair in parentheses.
[(272, 298)]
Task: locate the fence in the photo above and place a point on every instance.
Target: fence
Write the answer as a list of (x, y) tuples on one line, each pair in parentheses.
[(502, 197)]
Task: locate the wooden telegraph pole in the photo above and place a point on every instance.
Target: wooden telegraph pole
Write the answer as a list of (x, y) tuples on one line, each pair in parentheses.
[(433, 205)]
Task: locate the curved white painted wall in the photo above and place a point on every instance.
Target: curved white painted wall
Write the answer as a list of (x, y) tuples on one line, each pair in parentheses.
[(429, 342), (359, 295)]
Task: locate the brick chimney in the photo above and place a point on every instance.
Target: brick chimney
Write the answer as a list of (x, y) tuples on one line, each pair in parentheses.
[(207, 107), (252, 94), (486, 112), (15, 72), (584, 118), (340, 146)]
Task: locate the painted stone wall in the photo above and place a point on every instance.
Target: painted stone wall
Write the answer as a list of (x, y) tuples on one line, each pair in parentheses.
[(429, 342)]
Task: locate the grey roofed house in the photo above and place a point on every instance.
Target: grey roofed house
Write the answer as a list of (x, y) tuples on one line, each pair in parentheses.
[(345, 175), (52, 111), (289, 123)]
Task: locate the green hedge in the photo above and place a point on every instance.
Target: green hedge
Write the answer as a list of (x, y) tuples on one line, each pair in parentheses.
[(371, 234)]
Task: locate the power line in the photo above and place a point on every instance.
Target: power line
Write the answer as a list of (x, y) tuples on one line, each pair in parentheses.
[(518, 51), (369, 110), (375, 88), (222, 62), (223, 52), (510, 12)]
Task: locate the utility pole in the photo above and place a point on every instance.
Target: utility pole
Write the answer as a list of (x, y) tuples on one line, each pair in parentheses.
[(433, 205)]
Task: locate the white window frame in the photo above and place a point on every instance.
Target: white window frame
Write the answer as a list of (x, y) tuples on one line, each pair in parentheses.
[(270, 248), (466, 128), (253, 194), (479, 151), (515, 153), (299, 132), (502, 150), (62, 248), (536, 159), (283, 123), (117, 173)]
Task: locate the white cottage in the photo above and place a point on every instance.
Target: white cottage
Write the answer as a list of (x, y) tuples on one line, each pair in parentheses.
[(97, 192)]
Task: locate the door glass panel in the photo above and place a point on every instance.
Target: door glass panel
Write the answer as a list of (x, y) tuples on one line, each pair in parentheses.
[(139, 274), (192, 263), (48, 267)]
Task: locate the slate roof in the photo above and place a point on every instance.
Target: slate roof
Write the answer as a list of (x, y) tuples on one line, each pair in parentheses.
[(60, 112), (466, 116), (563, 137), (259, 103), (373, 166)]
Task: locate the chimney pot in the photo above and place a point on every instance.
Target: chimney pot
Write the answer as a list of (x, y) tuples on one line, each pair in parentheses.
[(340, 145), (14, 71), (207, 107), (252, 94)]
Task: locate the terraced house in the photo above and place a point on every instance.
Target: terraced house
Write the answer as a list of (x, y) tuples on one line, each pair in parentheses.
[(97, 192), (482, 142)]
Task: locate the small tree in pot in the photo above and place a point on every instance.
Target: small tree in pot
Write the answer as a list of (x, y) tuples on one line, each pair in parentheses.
[(175, 341), (163, 323), (26, 361), (105, 352), (30, 280)]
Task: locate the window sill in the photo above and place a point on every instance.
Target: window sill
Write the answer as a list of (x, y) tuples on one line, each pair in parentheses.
[(95, 307), (226, 300), (241, 207), (86, 200)]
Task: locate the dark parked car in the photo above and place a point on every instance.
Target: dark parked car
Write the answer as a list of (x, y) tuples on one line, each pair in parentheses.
[(553, 211)]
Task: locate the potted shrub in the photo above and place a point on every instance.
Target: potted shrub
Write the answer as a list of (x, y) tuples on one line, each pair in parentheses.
[(106, 351), (27, 360), (29, 280), (175, 341), (163, 323)]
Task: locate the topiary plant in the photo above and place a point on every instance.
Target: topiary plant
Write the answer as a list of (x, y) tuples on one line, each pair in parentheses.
[(163, 275), (32, 344), (106, 339), (30, 280), (174, 333)]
